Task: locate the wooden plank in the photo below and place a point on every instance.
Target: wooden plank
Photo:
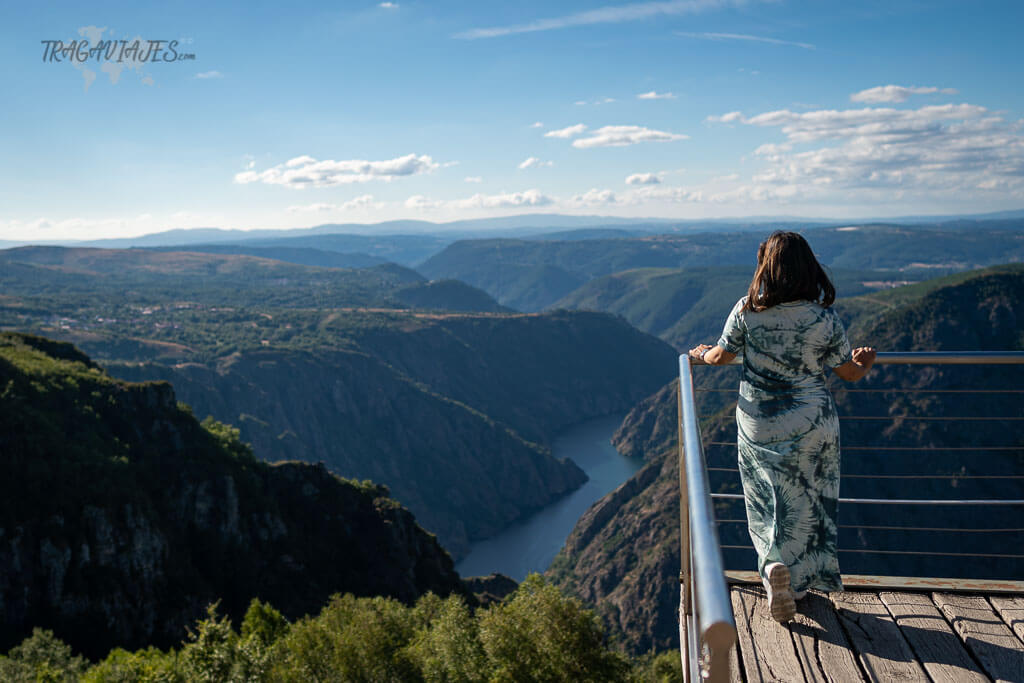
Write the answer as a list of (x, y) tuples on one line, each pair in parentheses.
[(903, 583), (822, 647), (735, 673), (1011, 609), (882, 650), (993, 644), (765, 645), (938, 648)]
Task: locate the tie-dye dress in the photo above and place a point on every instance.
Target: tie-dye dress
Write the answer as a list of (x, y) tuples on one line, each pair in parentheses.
[(788, 435)]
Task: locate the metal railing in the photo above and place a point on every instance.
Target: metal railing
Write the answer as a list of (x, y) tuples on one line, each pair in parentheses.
[(706, 626)]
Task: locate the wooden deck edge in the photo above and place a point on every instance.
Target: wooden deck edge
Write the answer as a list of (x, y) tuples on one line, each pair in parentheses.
[(911, 583)]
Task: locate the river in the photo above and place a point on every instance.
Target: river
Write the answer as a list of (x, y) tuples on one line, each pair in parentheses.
[(530, 544)]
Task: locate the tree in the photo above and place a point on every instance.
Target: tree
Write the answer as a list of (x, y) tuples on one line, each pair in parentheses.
[(541, 635)]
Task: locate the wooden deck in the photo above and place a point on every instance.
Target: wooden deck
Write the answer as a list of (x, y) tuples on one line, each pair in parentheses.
[(880, 635)]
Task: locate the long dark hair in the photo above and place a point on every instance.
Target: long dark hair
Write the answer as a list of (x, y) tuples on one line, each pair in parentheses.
[(787, 271)]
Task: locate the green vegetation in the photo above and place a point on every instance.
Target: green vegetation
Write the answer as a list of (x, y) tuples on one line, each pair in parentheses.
[(121, 515), (451, 295), (537, 634), (685, 307), (115, 284)]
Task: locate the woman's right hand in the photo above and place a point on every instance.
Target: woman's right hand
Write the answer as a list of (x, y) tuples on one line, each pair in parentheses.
[(864, 355)]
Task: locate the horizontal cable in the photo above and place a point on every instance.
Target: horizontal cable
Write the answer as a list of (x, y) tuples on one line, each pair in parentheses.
[(903, 528), (1006, 556), (932, 476), (841, 389), (901, 476), (932, 448), (928, 391), (902, 448), (900, 552), (969, 418), (953, 418), (899, 501)]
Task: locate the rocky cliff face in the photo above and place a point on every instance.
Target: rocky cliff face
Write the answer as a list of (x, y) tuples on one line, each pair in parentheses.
[(623, 555), (121, 517), (452, 413)]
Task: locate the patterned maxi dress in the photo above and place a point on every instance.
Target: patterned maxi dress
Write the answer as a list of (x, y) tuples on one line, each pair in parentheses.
[(788, 435)]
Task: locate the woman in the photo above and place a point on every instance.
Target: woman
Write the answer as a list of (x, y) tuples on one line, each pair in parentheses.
[(788, 431)]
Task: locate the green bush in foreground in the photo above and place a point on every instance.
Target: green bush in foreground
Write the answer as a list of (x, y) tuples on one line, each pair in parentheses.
[(537, 634)]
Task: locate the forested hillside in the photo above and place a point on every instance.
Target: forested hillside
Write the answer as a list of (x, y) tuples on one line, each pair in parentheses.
[(453, 411), (623, 555), (684, 306), (122, 517)]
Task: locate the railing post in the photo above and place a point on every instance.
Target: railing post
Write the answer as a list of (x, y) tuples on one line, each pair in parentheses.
[(685, 569), (706, 620)]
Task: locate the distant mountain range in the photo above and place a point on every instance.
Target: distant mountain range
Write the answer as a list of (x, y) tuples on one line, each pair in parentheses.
[(522, 225)]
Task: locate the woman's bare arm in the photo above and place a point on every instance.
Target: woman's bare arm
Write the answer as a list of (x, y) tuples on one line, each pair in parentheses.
[(712, 355), (854, 369)]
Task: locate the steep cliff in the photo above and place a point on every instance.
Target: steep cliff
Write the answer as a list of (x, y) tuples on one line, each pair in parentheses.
[(121, 517)]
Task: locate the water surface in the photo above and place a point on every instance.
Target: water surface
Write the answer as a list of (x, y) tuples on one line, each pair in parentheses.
[(530, 544)]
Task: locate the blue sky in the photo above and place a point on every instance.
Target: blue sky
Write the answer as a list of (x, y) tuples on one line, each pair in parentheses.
[(307, 113)]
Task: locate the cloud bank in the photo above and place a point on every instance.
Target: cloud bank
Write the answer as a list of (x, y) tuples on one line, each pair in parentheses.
[(306, 171)]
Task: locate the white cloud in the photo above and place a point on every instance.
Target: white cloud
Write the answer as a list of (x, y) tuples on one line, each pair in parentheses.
[(655, 95), (643, 179), (305, 171), (595, 102), (731, 117), (361, 202), (534, 162), (567, 132), (316, 207), (536, 124), (883, 153), (595, 197), (620, 136), (603, 15), (746, 38), (389, 5), (209, 74), (473, 179), (502, 200), (678, 195), (896, 93), (421, 203)]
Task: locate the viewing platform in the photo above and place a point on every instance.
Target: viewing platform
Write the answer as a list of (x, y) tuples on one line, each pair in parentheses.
[(881, 628), (950, 634)]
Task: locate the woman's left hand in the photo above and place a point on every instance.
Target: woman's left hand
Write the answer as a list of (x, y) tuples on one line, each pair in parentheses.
[(697, 352)]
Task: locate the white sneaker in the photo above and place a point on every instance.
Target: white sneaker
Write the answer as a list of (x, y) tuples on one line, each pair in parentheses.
[(781, 602)]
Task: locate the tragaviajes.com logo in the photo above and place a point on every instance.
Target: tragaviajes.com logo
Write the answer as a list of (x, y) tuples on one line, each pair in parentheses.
[(97, 47)]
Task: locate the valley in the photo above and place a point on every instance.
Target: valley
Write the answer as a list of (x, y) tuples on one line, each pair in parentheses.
[(454, 404)]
